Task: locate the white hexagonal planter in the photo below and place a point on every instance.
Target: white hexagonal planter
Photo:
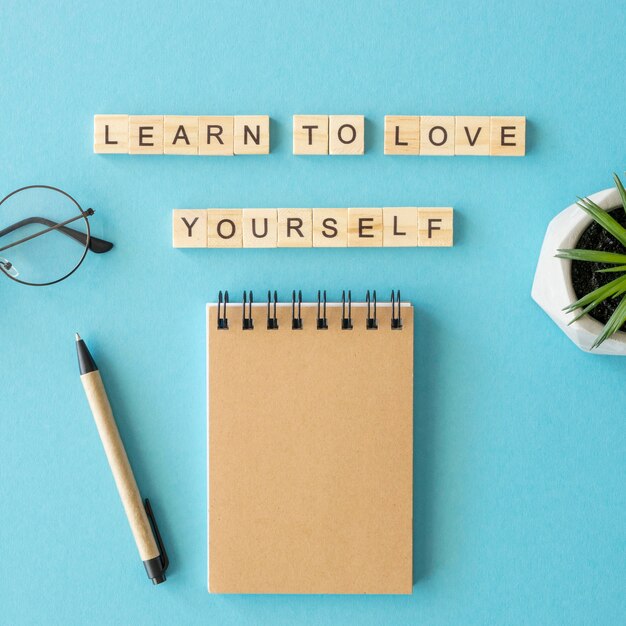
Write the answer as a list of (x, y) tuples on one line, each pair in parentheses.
[(552, 288)]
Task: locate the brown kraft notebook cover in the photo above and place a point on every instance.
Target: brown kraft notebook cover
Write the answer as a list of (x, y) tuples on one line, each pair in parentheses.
[(310, 453)]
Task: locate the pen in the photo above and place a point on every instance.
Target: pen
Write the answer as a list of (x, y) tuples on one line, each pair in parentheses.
[(139, 514)]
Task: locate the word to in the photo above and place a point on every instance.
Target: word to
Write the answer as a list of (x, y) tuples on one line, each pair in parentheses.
[(312, 135), (317, 228)]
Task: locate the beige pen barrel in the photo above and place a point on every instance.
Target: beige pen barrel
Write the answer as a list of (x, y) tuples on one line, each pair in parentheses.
[(118, 461)]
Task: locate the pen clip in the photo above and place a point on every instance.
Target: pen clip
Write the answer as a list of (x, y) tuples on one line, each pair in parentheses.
[(157, 535)]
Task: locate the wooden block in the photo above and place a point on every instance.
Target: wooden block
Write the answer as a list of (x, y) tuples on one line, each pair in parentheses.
[(347, 134), (224, 228), (180, 134), (508, 136), (435, 226), (251, 134), (402, 134), (215, 135), (471, 135), (330, 228), (365, 228), (189, 228), (259, 228), (437, 135), (110, 134), (295, 228), (145, 134), (310, 134), (400, 227)]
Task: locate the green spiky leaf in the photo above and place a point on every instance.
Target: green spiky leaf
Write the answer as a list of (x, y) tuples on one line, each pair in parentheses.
[(620, 188), (616, 321), (600, 216), (610, 290), (619, 268), (597, 256)]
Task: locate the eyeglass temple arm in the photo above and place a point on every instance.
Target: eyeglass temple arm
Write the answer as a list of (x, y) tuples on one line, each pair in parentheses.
[(95, 244)]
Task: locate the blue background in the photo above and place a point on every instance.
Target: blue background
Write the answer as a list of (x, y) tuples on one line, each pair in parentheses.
[(519, 437)]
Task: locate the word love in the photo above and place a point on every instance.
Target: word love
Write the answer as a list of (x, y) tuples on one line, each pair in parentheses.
[(313, 228), (312, 135)]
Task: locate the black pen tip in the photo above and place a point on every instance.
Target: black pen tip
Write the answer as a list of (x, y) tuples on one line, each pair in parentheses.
[(86, 363)]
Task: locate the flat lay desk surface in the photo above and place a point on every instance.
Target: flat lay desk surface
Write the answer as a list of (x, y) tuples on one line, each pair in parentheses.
[(519, 437)]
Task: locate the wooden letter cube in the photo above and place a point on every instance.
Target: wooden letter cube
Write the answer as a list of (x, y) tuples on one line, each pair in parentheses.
[(472, 135), (252, 134), (180, 134), (259, 228), (508, 136), (434, 226), (310, 134), (330, 228), (145, 134), (189, 228), (365, 228), (215, 135), (402, 134), (347, 134), (400, 226), (295, 228), (110, 134), (437, 135), (224, 228)]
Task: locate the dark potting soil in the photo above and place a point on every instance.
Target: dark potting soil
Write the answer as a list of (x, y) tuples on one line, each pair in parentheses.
[(585, 277)]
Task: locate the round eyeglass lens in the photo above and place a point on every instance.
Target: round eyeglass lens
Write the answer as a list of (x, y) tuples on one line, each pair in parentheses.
[(44, 235)]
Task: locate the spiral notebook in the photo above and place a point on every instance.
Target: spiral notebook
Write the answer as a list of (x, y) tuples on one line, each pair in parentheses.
[(310, 447)]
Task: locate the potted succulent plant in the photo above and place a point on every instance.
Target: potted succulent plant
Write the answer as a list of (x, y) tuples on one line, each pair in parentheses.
[(581, 274)]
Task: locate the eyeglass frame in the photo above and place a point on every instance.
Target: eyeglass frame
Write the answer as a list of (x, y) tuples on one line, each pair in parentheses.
[(104, 245)]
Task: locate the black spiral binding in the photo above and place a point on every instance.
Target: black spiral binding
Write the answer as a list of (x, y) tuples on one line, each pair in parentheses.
[(346, 322), (222, 320), (246, 322), (322, 322), (371, 323), (272, 320), (296, 322), (396, 322)]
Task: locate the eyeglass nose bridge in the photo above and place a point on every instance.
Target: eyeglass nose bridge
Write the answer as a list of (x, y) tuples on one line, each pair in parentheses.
[(8, 268)]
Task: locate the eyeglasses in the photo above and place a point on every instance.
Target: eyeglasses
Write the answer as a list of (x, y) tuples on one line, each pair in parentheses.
[(44, 235)]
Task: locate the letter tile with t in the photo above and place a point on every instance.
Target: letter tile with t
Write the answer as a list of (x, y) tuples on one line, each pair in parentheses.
[(310, 134)]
